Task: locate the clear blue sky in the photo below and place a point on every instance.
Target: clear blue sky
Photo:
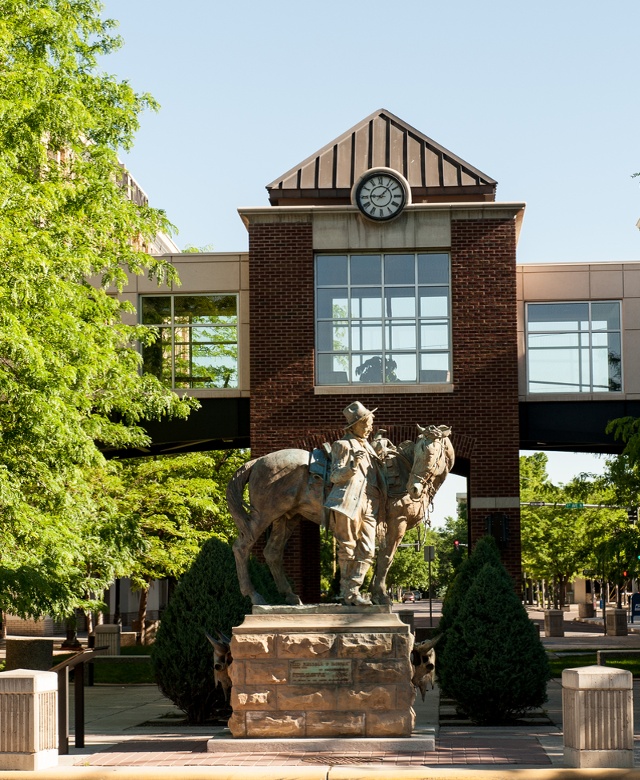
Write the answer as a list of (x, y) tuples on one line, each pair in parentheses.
[(540, 96)]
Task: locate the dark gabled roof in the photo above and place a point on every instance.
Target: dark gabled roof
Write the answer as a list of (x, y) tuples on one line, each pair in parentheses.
[(382, 140)]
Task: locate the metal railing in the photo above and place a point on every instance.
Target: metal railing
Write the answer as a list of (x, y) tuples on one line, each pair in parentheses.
[(76, 662)]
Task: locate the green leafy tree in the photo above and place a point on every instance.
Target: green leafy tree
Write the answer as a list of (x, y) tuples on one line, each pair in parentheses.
[(560, 542), (553, 544), (409, 568), (450, 556), (175, 503), (493, 663), (69, 368)]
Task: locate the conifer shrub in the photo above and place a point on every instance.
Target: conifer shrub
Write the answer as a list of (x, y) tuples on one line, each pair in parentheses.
[(207, 598), (493, 663), (485, 550)]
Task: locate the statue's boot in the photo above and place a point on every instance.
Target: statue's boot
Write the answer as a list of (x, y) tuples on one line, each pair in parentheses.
[(357, 571)]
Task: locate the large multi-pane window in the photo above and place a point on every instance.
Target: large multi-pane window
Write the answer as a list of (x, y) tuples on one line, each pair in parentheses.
[(574, 347), (197, 343), (383, 318)]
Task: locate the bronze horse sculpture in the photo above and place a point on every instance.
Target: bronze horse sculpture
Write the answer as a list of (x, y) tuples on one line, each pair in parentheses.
[(282, 487)]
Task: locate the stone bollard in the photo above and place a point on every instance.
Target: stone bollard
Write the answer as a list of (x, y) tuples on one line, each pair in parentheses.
[(617, 622), (108, 634), (554, 622), (586, 610), (29, 653), (408, 616), (28, 719), (597, 714)]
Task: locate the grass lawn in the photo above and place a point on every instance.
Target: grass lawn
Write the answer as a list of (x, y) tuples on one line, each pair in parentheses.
[(588, 658)]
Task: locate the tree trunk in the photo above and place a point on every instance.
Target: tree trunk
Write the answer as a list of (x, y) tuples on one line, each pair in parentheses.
[(142, 614), (562, 586)]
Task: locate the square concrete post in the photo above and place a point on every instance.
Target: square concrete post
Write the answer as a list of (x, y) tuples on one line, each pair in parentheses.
[(28, 719), (617, 622), (597, 713), (554, 622), (108, 634)]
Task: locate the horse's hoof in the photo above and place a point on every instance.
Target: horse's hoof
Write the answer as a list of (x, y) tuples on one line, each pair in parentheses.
[(381, 599), (293, 599), (256, 598)]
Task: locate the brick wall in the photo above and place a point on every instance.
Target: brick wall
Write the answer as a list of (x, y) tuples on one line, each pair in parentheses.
[(483, 409)]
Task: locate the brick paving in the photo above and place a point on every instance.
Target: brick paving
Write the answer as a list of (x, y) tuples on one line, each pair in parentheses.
[(451, 750)]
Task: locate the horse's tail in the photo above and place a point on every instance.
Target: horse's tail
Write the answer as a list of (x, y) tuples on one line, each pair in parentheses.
[(235, 496)]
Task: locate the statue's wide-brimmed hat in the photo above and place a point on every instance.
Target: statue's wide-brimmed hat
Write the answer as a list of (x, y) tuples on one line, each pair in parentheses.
[(356, 412)]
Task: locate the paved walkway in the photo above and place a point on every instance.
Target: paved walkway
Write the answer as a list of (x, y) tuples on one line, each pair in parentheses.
[(135, 727)]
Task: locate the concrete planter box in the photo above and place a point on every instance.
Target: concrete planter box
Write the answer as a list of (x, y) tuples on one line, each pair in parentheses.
[(586, 610), (617, 622), (554, 622)]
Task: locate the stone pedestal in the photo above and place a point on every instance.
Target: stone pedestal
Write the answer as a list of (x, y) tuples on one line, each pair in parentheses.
[(617, 622), (597, 714), (28, 719), (586, 610), (29, 653), (554, 622), (321, 671), (108, 634)]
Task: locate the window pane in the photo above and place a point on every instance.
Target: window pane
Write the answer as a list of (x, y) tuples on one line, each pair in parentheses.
[(206, 365), (434, 301), (333, 304), (366, 269), (434, 367), (156, 357), (220, 335), (401, 335), (333, 369), (605, 315), (433, 269), (399, 269), (366, 336), (400, 302), (367, 368), (401, 368), (607, 375), (549, 340), (557, 371), (434, 335), (366, 302), (558, 316), (156, 310), (333, 336), (332, 270), (204, 309)]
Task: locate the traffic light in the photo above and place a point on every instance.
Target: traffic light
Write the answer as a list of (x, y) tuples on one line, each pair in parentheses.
[(625, 574), (632, 515), (456, 545)]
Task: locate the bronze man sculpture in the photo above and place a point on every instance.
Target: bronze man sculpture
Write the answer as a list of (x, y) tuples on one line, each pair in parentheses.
[(354, 501)]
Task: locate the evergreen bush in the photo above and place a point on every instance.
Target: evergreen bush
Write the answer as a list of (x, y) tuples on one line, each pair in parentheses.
[(208, 599), (493, 663), (486, 550)]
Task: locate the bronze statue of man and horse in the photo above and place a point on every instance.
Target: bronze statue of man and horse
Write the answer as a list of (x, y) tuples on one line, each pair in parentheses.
[(282, 486)]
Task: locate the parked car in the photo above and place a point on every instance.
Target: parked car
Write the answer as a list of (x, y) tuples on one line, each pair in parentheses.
[(417, 594), (408, 596)]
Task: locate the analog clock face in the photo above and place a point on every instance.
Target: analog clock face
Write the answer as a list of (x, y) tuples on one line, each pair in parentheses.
[(380, 195)]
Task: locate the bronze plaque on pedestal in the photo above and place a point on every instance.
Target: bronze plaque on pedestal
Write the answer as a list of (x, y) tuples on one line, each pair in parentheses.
[(319, 672)]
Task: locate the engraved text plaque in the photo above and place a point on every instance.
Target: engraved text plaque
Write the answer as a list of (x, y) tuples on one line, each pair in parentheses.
[(319, 672)]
